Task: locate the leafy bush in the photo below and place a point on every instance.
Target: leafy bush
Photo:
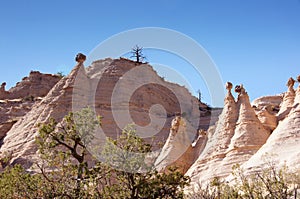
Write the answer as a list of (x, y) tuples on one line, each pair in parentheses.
[(16, 183), (133, 177)]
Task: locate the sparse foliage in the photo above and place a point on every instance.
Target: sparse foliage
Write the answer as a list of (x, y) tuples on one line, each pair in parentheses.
[(67, 170), (60, 74), (5, 158), (16, 183), (270, 182), (29, 98), (199, 95), (64, 154), (134, 178)]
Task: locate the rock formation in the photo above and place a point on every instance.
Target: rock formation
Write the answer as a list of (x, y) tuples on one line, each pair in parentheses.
[(272, 103), (80, 58), (3, 86), (237, 136), (123, 92), (19, 140), (266, 109), (288, 100), (249, 131), (127, 93), (179, 150), (218, 141), (297, 97), (35, 85), (283, 145), (177, 143), (268, 119), (96, 86), (18, 101), (11, 111), (3, 92), (249, 134)]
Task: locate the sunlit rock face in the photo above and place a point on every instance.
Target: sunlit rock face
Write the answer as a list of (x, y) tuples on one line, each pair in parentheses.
[(35, 85), (173, 149), (283, 145), (267, 130), (179, 150), (20, 139), (175, 121), (266, 109), (95, 86), (288, 100), (237, 136), (18, 101)]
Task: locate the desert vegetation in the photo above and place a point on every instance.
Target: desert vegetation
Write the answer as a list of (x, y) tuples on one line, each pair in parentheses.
[(137, 54), (269, 182), (67, 170)]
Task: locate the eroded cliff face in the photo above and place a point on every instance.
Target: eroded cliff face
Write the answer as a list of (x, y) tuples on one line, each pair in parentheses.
[(288, 100), (176, 144), (35, 85), (283, 146), (11, 111), (122, 92), (19, 141), (266, 109), (238, 134), (19, 100), (180, 150), (218, 139), (250, 135)]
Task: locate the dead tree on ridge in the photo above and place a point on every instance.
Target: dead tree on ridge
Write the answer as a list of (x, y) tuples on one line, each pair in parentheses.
[(137, 53)]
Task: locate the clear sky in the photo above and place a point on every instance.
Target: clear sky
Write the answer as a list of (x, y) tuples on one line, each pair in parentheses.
[(254, 42)]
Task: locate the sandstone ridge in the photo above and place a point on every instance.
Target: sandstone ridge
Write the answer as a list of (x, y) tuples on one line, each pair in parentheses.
[(237, 135), (35, 85), (94, 86), (248, 134), (283, 144), (18, 101), (199, 140)]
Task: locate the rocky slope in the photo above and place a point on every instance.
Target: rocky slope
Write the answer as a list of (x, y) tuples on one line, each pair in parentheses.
[(121, 92), (178, 149), (35, 85), (288, 100), (124, 92), (18, 101), (283, 146), (236, 137), (250, 135), (19, 140)]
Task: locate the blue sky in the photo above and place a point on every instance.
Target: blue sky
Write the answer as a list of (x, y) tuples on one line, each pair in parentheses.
[(254, 42)]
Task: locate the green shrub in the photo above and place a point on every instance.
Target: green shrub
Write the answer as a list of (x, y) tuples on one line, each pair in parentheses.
[(67, 170), (269, 182)]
